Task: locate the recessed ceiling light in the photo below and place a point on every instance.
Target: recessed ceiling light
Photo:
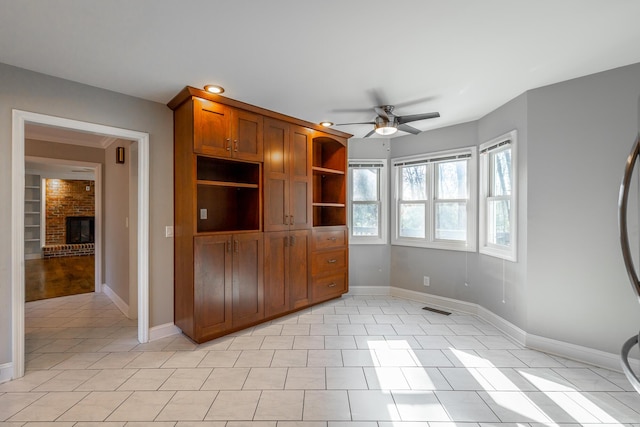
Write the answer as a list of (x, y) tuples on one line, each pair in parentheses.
[(326, 124), (214, 89)]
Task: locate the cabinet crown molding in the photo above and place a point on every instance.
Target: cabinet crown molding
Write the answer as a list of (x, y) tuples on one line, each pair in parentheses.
[(188, 92)]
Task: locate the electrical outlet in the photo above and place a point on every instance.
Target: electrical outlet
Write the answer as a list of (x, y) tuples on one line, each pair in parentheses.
[(427, 281), (168, 231), (203, 214)]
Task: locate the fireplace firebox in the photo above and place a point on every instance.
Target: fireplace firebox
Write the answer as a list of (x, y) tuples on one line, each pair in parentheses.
[(80, 229)]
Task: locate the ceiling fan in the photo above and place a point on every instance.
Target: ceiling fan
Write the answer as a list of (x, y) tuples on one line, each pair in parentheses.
[(386, 123)]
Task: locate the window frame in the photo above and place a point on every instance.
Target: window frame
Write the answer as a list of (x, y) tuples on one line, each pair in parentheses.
[(496, 145), (432, 159), (383, 203)]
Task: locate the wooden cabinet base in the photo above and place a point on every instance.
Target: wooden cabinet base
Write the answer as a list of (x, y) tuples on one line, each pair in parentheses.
[(211, 336)]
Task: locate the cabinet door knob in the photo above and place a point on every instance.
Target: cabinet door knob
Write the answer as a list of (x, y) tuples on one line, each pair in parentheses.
[(291, 220), (235, 145), (332, 285), (228, 144), (286, 219), (286, 241), (332, 261), (236, 247), (292, 239), (228, 245)]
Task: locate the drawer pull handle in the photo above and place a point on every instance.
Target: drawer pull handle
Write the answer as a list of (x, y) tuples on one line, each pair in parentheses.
[(332, 261), (332, 285), (333, 239)]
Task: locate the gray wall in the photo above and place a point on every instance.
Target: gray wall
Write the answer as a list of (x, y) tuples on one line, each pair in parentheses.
[(369, 265), (25, 90), (569, 282), (116, 226), (580, 133)]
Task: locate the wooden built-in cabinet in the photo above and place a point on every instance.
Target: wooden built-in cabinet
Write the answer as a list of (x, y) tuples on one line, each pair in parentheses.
[(220, 130), (259, 211)]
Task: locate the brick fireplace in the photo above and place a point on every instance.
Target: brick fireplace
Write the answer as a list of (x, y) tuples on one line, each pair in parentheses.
[(69, 201)]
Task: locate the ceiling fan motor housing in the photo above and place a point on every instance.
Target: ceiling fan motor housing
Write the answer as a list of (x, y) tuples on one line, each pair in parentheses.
[(385, 127)]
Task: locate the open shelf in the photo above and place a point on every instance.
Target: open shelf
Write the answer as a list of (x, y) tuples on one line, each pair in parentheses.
[(319, 170), (216, 170), (329, 182), (227, 194)]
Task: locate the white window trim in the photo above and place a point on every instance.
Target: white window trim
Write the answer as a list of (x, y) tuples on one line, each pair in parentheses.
[(509, 253), (430, 241), (383, 184)]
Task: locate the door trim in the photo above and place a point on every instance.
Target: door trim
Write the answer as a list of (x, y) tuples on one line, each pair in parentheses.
[(19, 120)]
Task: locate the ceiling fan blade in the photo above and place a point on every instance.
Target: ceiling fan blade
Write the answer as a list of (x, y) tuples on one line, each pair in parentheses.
[(351, 110), (416, 117), (415, 101), (355, 123), (369, 134), (382, 113), (409, 129), (377, 96)]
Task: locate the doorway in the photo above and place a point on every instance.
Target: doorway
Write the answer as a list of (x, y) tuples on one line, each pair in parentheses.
[(56, 192), (139, 243)]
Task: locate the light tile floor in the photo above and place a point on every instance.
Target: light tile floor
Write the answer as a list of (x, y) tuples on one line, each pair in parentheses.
[(353, 362)]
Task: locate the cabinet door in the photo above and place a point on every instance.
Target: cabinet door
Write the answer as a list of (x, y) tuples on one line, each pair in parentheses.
[(301, 178), (248, 291), (276, 272), (212, 285), (246, 136), (211, 128), (276, 175), (299, 268)]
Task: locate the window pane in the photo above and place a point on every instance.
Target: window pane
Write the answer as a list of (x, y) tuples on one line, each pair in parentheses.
[(365, 219), (412, 220), (451, 221), (452, 180), (499, 227), (501, 173), (414, 182), (365, 184)]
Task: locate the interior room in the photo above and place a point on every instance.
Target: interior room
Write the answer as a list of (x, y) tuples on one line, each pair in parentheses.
[(346, 213)]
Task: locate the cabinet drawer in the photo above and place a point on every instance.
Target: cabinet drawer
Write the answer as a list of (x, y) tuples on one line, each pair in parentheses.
[(326, 239), (327, 262), (329, 286)]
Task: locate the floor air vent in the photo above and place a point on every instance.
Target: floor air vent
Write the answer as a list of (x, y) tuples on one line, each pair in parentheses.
[(435, 310)]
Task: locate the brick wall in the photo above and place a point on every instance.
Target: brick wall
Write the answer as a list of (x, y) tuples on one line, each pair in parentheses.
[(66, 198)]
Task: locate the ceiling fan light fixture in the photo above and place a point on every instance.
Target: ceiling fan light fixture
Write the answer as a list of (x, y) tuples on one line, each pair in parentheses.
[(214, 89), (326, 124), (386, 130), (385, 127)]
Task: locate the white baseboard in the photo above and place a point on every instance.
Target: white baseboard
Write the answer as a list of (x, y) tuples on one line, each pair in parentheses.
[(436, 301), (547, 345), (32, 256), (514, 332), (163, 331), (369, 290), (6, 372), (581, 354), (122, 306)]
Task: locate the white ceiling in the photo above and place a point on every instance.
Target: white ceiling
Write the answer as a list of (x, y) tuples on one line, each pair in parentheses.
[(308, 59)]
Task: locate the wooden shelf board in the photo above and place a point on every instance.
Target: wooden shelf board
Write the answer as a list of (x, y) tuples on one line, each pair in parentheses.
[(328, 205), (317, 169), (226, 184)]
